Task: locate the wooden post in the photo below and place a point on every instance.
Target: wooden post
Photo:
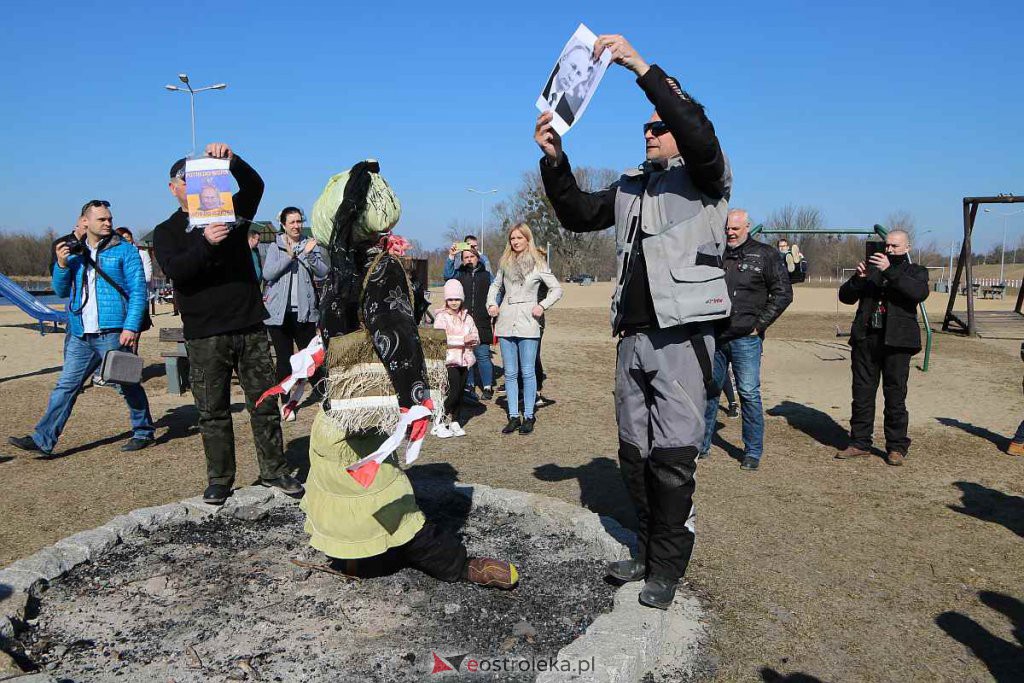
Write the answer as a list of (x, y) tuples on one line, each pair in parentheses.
[(969, 215)]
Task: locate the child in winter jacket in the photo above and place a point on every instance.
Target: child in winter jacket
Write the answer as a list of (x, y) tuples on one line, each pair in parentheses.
[(462, 335)]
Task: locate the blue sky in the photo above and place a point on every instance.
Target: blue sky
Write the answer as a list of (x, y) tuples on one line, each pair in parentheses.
[(860, 109)]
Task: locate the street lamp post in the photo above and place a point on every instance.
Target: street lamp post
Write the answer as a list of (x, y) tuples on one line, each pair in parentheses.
[(192, 99), (482, 194), (1002, 250), (919, 244)]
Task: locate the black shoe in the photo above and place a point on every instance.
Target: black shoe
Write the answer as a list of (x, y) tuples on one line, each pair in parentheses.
[(134, 444), (733, 410), (513, 425), (470, 397), (527, 426), (627, 570), (750, 463), (287, 483), (216, 494), (27, 443), (487, 394), (544, 402), (703, 455), (658, 592)]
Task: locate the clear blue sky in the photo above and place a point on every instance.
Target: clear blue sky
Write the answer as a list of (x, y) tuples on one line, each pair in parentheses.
[(860, 110)]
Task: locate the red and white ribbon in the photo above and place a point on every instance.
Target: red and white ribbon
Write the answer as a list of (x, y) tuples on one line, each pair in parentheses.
[(417, 421), (304, 364)]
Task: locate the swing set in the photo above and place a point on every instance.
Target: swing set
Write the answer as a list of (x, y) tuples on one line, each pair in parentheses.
[(878, 230)]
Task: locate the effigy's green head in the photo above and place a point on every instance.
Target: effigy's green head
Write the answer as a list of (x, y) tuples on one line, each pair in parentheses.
[(379, 215)]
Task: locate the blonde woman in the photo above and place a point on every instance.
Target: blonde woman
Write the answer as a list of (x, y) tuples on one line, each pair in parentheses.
[(520, 274)]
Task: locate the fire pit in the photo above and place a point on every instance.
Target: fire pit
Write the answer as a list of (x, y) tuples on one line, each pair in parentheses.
[(237, 594)]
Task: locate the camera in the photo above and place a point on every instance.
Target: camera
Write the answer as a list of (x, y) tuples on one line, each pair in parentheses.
[(75, 245)]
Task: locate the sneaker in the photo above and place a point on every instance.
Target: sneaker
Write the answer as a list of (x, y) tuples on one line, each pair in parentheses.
[(27, 443), (286, 483), (492, 573), (750, 463), (658, 592), (290, 417), (703, 455), (1015, 448), (527, 425), (543, 401), (469, 395), (487, 394), (216, 494), (134, 444), (627, 570), (733, 410), (852, 452), (456, 429), (441, 431), (98, 381), (894, 458), (513, 425)]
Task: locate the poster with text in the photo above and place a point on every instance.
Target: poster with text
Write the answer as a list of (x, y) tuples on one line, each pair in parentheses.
[(574, 80), (208, 189)]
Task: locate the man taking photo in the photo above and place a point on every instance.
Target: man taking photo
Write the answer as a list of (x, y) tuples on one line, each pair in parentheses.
[(669, 216), (760, 291), (222, 315), (100, 319), (885, 334)]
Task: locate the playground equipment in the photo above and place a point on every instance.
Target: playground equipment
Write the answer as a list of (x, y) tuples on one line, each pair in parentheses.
[(879, 230), (31, 305), (963, 263)]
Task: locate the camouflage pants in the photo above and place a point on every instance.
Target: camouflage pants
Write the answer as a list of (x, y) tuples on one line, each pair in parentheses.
[(212, 361)]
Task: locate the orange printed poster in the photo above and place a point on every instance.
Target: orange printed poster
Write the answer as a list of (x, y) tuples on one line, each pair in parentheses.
[(208, 190)]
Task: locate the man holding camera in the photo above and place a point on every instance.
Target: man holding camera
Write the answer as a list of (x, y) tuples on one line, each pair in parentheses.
[(222, 314), (669, 216), (760, 291), (105, 313), (454, 262), (885, 334)]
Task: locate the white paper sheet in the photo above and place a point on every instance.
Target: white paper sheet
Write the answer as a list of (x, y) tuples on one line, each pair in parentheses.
[(573, 80)]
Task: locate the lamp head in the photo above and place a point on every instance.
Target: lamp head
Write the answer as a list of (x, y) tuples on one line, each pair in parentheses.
[(171, 87), (183, 78), (218, 86)]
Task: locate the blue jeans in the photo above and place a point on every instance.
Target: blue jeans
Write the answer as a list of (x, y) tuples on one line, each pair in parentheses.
[(483, 365), (520, 356), (745, 356), (82, 356)]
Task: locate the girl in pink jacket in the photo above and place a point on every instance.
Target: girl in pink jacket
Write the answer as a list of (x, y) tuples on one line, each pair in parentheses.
[(462, 335)]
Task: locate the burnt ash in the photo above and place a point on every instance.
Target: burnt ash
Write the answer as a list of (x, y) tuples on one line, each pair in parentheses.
[(221, 600)]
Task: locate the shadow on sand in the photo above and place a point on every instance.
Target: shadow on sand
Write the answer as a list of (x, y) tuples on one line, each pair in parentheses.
[(1003, 658), (814, 423), (998, 440), (990, 505)]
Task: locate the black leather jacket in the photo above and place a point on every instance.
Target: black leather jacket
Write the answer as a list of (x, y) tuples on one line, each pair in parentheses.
[(759, 288), (902, 286)]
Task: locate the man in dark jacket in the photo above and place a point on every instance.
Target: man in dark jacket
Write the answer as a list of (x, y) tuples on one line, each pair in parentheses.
[(222, 315), (475, 282), (669, 216), (885, 334), (760, 291)]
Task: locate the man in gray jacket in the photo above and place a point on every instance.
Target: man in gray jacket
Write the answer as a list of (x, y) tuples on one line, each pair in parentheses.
[(669, 217)]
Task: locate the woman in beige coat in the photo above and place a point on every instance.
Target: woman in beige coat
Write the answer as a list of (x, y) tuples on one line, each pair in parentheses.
[(520, 273)]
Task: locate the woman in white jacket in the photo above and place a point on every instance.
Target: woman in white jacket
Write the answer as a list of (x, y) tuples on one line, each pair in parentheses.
[(520, 273)]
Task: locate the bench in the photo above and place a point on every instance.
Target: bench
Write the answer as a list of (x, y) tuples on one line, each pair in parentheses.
[(176, 361), (993, 292)]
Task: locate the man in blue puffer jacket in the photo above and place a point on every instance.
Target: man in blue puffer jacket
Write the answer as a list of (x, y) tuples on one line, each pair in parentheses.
[(100, 319)]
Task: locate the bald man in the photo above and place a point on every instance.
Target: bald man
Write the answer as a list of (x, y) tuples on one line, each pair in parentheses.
[(884, 336), (760, 291)]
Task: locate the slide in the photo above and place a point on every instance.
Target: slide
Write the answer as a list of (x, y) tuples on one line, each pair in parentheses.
[(29, 304)]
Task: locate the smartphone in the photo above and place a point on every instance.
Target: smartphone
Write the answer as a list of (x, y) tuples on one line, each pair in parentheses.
[(872, 247), (463, 246)]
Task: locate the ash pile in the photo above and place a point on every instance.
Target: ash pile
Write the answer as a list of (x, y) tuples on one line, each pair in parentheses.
[(223, 599)]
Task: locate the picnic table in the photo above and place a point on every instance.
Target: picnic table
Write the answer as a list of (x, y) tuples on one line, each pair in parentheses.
[(175, 361), (992, 291)]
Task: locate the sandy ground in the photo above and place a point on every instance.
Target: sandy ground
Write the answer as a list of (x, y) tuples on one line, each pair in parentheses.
[(844, 571)]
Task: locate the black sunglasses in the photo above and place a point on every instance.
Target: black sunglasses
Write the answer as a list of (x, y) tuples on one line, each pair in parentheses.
[(94, 203), (656, 128)]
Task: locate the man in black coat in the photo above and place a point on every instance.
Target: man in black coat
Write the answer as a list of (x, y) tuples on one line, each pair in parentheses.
[(760, 291), (884, 336)]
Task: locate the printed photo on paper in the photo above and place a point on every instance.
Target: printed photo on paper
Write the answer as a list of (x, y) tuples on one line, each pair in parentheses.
[(574, 80), (208, 189)]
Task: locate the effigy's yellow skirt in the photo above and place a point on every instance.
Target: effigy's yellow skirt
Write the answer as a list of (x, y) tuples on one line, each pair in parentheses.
[(343, 519)]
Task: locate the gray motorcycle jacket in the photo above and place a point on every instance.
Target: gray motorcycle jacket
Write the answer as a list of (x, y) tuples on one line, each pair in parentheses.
[(673, 213)]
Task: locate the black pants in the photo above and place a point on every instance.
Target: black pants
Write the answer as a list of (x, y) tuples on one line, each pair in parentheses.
[(456, 385), (211, 363), (871, 359), (287, 338), (434, 551)]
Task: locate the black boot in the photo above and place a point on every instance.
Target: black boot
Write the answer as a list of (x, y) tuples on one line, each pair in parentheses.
[(627, 570), (513, 425), (658, 592)]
